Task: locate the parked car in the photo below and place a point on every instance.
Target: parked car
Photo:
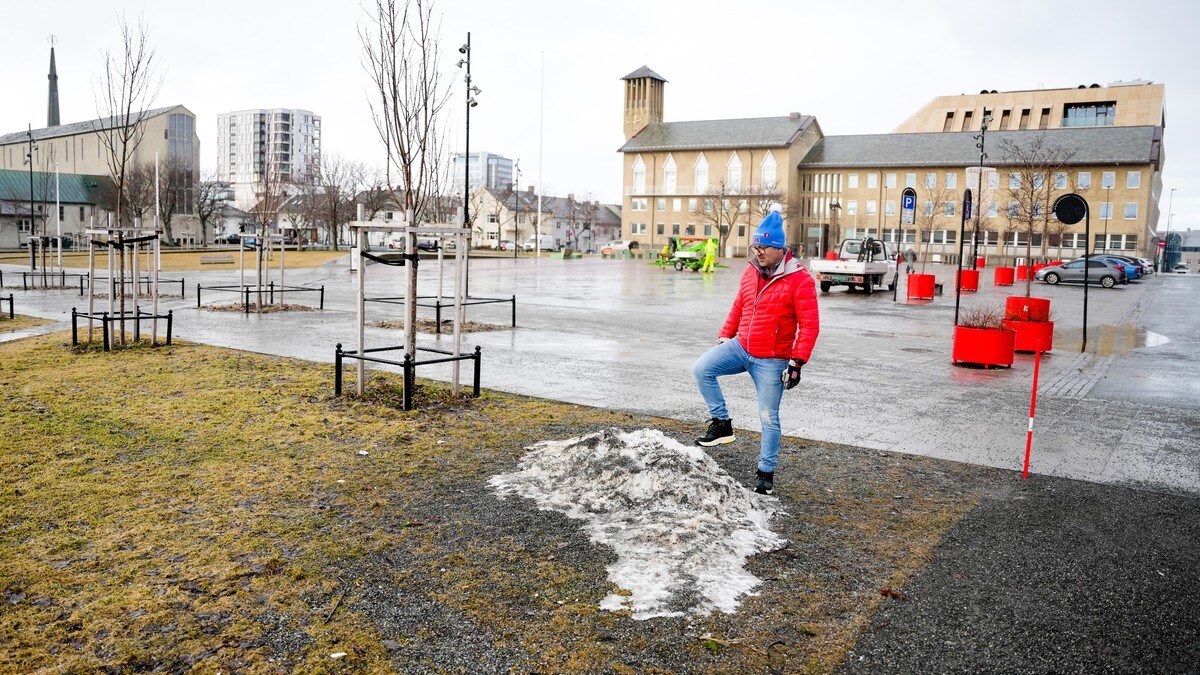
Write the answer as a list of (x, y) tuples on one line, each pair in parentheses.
[(619, 246), (227, 239), (1147, 266), (546, 243), (1133, 271), (396, 244), (1181, 268), (1098, 273), (506, 245), (1138, 269), (427, 244)]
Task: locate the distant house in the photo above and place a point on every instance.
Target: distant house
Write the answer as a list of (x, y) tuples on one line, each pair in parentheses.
[(515, 216), (76, 198)]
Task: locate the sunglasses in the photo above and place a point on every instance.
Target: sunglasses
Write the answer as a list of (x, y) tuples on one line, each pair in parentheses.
[(759, 249)]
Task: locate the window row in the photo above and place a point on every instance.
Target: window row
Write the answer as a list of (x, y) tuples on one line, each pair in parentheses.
[(767, 174), (1083, 181)]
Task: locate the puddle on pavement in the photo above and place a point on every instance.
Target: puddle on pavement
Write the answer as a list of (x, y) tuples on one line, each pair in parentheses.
[(1109, 340)]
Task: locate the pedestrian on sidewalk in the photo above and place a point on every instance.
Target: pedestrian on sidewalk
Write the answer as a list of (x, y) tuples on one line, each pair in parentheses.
[(910, 260), (769, 333)]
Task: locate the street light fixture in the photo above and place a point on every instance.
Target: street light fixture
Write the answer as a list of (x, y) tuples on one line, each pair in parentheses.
[(981, 141), (517, 199), (29, 160), (1167, 240)]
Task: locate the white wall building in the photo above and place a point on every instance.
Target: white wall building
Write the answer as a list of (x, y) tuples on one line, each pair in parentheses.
[(286, 140)]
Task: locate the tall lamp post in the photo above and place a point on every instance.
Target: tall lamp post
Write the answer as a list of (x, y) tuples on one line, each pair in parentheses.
[(1167, 241), (981, 140), (472, 90), (517, 201), (29, 161)]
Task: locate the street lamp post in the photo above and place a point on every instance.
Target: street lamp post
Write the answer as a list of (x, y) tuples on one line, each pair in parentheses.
[(471, 91), (981, 141), (1167, 240), (29, 239), (517, 201)]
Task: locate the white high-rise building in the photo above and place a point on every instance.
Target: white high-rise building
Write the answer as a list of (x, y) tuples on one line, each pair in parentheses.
[(488, 170), (286, 140)]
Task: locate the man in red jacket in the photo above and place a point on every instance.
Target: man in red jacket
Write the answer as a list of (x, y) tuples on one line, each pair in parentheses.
[(769, 333)]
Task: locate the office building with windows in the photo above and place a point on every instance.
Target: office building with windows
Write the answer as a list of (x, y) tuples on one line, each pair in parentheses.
[(488, 170), (280, 144), (834, 187)]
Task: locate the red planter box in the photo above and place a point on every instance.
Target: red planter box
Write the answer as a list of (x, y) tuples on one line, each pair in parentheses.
[(983, 346), (980, 262), (1038, 266), (968, 280), (1031, 336), (830, 255), (921, 286), (1022, 272), (1019, 308), (1003, 276)]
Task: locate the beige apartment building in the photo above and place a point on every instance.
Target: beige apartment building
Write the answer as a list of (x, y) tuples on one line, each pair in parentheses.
[(850, 186)]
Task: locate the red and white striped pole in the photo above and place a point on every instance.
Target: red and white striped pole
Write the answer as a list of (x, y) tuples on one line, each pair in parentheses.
[(1037, 365)]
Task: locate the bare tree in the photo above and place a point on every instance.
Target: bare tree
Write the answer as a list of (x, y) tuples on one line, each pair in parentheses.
[(176, 192), (720, 208), (208, 203), (340, 181), (931, 213), (1037, 170), (400, 53), (127, 89), (138, 195)]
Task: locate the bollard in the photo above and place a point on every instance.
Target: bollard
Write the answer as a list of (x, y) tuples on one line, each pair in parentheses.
[(105, 331), (322, 305), (170, 321), (197, 296), (409, 375), (478, 359), (514, 312), (337, 370), (74, 328)]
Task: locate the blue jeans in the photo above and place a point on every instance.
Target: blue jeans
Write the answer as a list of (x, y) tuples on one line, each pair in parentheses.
[(729, 358)]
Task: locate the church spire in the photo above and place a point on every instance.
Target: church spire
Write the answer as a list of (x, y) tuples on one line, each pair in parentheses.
[(52, 112)]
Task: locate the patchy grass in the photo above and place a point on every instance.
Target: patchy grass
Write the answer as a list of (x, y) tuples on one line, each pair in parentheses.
[(184, 261), (195, 507), (20, 322)]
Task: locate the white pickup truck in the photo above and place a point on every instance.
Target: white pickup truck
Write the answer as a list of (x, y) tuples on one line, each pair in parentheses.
[(861, 263)]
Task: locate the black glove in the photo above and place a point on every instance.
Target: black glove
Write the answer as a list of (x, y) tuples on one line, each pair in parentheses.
[(791, 375)]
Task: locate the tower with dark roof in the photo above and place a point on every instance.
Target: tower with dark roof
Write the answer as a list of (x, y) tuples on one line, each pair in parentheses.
[(52, 111), (643, 100)]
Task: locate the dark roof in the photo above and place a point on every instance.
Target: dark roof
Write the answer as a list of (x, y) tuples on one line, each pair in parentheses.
[(756, 132), (557, 207), (644, 72), (73, 188), (1092, 145), (76, 127)]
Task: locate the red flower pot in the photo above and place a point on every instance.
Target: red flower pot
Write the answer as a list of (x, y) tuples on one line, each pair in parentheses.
[(983, 346), (921, 286), (968, 280), (1019, 308), (1022, 272), (1031, 336), (980, 262), (1003, 276), (1038, 266)]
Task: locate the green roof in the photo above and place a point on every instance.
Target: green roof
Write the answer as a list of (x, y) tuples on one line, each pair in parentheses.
[(72, 188)]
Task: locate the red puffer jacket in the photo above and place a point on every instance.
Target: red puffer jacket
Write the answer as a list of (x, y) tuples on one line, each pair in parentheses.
[(778, 318)]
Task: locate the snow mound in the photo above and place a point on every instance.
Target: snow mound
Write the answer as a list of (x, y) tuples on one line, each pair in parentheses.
[(681, 526)]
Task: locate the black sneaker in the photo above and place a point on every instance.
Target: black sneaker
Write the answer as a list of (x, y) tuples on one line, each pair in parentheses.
[(765, 484), (719, 431)]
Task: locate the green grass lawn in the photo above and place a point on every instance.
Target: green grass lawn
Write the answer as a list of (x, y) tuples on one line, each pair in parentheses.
[(195, 507)]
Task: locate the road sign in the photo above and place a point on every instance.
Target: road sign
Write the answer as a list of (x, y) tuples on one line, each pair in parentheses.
[(908, 207)]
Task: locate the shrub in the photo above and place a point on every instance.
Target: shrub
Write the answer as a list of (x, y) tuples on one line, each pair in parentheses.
[(985, 316)]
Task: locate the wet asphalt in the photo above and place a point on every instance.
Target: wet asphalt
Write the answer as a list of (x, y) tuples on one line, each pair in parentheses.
[(1089, 566)]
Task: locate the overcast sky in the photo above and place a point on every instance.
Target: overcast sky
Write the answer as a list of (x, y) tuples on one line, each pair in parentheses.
[(859, 67)]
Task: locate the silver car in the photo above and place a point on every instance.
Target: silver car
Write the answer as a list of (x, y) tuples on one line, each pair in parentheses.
[(1072, 272)]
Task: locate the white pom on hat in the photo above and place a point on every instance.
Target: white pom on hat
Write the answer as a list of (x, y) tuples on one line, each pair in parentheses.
[(776, 207)]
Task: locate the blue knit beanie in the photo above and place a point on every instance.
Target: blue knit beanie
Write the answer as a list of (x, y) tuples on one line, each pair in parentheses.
[(770, 230)]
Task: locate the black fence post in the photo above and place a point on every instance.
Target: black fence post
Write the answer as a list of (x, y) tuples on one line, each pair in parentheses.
[(170, 321), (322, 297), (409, 375), (270, 292), (182, 289), (246, 301), (478, 360), (337, 370), (197, 295), (438, 314), (104, 334), (74, 329), (514, 303)]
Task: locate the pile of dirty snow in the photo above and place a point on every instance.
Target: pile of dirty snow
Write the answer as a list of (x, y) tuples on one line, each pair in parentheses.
[(681, 527)]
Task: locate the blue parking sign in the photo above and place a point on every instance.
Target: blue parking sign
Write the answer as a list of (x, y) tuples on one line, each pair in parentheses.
[(910, 202)]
